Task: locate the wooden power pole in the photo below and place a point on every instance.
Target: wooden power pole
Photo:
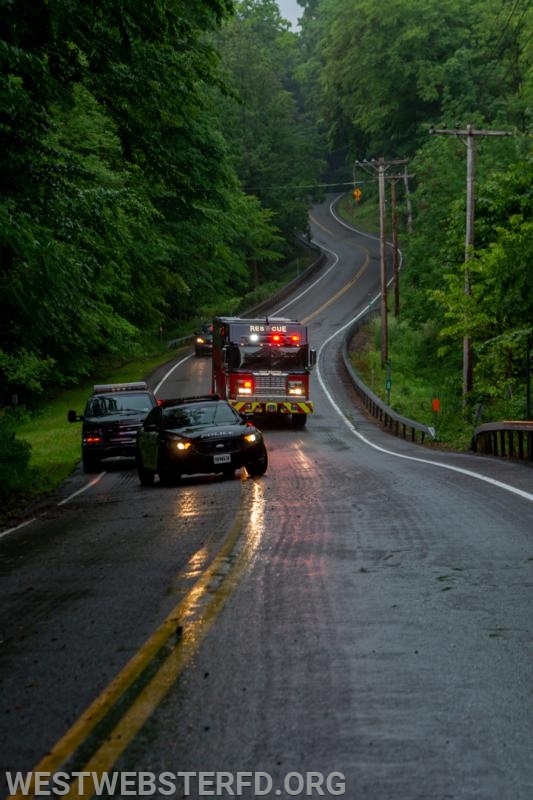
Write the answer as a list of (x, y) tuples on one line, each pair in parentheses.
[(469, 133), (381, 166)]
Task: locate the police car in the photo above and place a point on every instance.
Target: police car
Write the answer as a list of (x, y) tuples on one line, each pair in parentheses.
[(112, 417)]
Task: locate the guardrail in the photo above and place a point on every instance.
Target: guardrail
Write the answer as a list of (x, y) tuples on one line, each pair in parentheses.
[(384, 414), (510, 439)]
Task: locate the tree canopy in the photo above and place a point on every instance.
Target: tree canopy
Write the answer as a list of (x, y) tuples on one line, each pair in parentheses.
[(121, 206)]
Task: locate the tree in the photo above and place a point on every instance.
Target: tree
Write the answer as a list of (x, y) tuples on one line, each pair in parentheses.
[(273, 147)]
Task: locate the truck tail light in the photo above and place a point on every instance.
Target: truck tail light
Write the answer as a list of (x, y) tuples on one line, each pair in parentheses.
[(245, 386), (295, 387)]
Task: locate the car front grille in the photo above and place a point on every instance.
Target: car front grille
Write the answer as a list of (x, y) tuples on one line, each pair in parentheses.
[(212, 446), (270, 385), (115, 434)]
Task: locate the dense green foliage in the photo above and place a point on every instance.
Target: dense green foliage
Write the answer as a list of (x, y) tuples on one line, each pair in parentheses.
[(122, 208), (275, 159), (381, 77), (14, 458)]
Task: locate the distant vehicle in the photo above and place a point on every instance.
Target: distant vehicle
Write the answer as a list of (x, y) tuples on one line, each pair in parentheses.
[(203, 343), (197, 435), (112, 417), (262, 366)]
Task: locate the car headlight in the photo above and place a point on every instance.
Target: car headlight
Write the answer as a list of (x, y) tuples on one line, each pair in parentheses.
[(251, 437), (296, 387), (180, 445)]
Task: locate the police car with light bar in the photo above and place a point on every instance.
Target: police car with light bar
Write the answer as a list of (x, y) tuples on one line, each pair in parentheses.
[(112, 417)]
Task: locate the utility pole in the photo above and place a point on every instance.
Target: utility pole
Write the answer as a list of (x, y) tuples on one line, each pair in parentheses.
[(469, 133), (408, 200), (383, 264), (381, 166), (395, 275)]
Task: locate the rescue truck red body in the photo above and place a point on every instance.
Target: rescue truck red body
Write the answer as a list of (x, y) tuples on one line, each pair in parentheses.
[(262, 366)]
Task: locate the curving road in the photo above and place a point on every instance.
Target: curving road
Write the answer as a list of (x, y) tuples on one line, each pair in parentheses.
[(357, 623)]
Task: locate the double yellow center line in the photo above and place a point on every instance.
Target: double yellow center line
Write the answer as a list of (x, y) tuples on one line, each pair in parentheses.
[(154, 669)]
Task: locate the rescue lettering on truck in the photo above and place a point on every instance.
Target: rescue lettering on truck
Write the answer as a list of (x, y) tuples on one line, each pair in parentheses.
[(262, 366)]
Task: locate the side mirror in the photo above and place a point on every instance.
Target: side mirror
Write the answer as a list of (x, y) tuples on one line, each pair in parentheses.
[(225, 355), (73, 417), (312, 357)]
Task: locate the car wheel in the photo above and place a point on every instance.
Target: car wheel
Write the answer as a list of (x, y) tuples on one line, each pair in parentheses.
[(146, 476), (299, 420), (258, 468), (167, 476), (91, 463)]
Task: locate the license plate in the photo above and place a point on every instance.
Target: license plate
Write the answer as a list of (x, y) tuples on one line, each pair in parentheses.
[(223, 458)]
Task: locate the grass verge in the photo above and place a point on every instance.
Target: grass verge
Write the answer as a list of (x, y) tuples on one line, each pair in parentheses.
[(410, 382)]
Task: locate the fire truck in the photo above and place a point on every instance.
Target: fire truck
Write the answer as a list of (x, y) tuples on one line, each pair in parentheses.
[(262, 366)]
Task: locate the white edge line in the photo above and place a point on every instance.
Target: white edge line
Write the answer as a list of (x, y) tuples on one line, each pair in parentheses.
[(17, 527), (93, 482), (171, 370), (507, 487)]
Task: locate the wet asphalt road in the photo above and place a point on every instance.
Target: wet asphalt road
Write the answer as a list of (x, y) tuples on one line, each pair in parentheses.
[(361, 616)]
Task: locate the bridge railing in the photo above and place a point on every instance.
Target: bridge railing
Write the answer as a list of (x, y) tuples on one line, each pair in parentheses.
[(510, 439)]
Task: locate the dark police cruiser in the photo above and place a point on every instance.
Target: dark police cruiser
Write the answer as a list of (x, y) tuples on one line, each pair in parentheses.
[(195, 435), (111, 420)]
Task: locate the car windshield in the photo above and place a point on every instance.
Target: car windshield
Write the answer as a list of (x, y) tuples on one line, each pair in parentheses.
[(188, 416), (105, 404)]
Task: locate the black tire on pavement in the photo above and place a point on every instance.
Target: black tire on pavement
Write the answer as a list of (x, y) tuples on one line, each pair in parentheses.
[(258, 468), (146, 476), (299, 420)]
